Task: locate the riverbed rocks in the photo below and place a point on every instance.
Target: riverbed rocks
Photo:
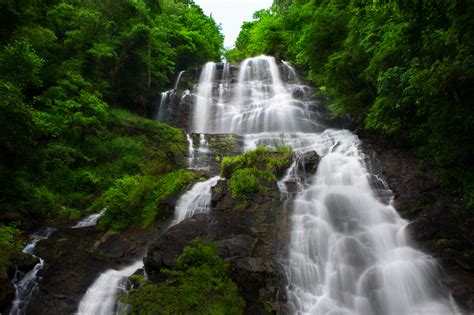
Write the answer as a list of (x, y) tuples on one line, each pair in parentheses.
[(438, 221), (252, 238)]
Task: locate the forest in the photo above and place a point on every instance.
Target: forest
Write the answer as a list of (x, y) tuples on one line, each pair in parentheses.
[(80, 84)]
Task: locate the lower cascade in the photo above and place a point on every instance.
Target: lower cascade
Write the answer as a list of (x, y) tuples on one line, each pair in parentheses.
[(26, 285), (101, 297)]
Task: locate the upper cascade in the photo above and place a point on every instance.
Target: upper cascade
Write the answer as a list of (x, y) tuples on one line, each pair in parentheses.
[(259, 95)]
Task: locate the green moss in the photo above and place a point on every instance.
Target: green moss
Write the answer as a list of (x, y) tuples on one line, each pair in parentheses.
[(262, 158), (199, 285), (9, 244), (248, 173)]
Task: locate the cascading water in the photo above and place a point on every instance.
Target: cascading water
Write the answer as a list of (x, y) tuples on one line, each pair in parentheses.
[(196, 200), (90, 220), (348, 251), (101, 297), (163, 111), (204, 100), (176, 84), (26, 285)]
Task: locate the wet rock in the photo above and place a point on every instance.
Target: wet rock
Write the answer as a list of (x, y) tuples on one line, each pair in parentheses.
[(7, 290), (307, 163), (298, 93), (75, 258), (292, 187), (23, 262), (251, 238)]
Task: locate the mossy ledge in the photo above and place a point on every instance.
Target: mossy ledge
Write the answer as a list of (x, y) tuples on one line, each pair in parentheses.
[(251, 172)]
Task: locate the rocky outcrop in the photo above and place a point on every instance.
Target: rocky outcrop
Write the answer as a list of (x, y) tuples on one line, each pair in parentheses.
[(74, 258), (251, 238), (438, 221), (7, 290)]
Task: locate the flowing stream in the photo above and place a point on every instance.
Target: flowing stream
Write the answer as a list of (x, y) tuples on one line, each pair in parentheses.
[(26, 285)]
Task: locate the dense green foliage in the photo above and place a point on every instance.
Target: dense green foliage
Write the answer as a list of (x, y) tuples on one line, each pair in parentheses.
[(63, 64), (402, 69), (247, 173), (199, 285)]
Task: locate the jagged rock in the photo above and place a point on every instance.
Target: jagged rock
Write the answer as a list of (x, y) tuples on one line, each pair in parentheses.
[(75, 257), (307, 163), (24, 262), (251, 239), (7, 290)]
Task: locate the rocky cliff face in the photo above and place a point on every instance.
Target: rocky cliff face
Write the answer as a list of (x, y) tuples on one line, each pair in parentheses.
[(251, 238)]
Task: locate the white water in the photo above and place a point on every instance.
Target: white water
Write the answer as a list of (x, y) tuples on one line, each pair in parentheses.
[(101, 297), (163, 113), (190, 151), (176, 84), (196, 200), (204, 101), (90, 220), (348, 252), (26, 285)]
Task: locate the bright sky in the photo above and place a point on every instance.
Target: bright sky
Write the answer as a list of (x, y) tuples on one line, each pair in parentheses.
[(231, 13)]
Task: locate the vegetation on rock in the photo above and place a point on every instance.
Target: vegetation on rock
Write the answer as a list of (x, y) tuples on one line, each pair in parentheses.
[(9, 244), (198, 285), (247, 172)]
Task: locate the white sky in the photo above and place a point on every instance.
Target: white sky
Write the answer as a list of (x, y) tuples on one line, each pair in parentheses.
[(231, 13)]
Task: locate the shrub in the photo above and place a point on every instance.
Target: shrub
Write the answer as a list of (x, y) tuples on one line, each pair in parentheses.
[(262, 158), (199, 285), (9, 244), (248, 172)]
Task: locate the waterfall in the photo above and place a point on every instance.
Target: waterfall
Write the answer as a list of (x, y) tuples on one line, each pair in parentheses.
[(204, 99), (90, 220), (101, 297), (348, 251), (196, 200), (163, 111), (176, 84), (190, 151), (26, 285)]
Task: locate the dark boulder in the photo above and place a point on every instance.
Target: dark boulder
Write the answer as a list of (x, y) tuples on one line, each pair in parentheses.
[(7, 290)]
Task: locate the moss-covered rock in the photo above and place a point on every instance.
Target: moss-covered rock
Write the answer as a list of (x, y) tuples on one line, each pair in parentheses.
[(251, 172)]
